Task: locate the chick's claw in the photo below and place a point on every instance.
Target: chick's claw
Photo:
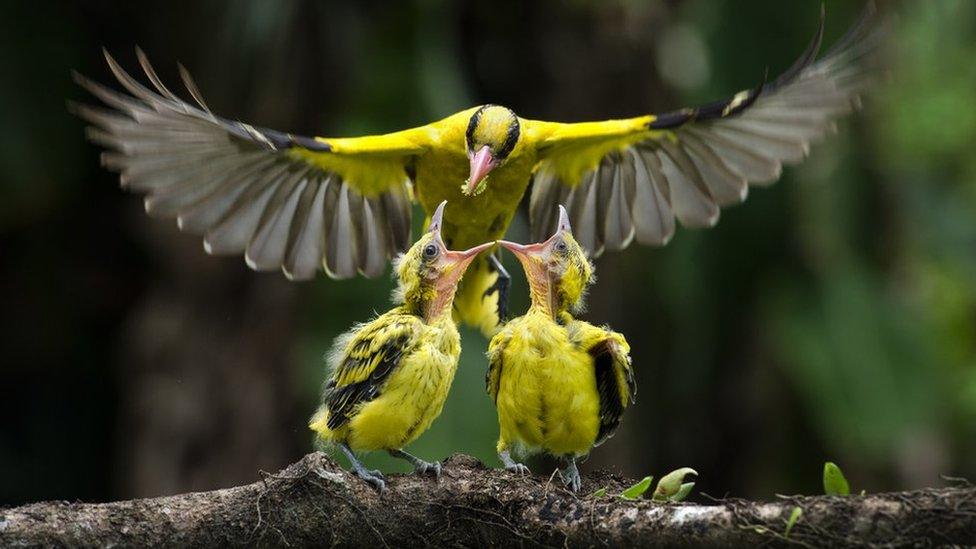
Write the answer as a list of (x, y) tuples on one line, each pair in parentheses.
[(425, 467), (570, 475), (375, 478), (571, 480), (519, 468), (512, 465)]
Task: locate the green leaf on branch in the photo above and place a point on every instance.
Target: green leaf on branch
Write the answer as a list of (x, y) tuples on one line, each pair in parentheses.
[(637, 490), (794, 517), (834, 482), (682, 492), (599, 493)]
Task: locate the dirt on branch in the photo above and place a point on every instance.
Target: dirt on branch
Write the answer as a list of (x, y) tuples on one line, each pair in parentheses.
[(315, 502)]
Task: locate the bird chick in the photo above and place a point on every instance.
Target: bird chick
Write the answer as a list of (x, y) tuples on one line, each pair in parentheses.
[(560, 384), (390, 377)]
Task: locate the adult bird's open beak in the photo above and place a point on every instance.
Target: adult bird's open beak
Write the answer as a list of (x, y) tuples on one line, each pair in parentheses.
[(482, 162)]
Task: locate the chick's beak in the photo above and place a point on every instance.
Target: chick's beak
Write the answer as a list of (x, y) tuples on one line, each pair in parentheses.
[(534, 257), (482, 162), (526, 251), (453, 263)]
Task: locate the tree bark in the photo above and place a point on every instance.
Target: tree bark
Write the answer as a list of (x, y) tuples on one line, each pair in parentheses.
[(315, 502)]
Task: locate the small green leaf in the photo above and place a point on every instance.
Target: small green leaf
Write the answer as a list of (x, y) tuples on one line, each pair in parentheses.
[(599, 493), (670, 483), (864, 492), (834, 482), (794, 516), (638, 489), (682, 492)]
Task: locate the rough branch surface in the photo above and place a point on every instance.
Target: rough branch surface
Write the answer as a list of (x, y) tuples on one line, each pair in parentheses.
[(315, 502)]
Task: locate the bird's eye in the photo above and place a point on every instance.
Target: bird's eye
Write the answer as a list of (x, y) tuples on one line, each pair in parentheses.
[(561, 246), (430, 251)]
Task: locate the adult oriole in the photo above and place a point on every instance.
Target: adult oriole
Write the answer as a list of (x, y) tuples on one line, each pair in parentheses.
[(344, 204), (560, 384), (390, 376)]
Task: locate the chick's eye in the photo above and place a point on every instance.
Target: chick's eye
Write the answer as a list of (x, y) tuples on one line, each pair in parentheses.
[(561, 246), (430, 251)]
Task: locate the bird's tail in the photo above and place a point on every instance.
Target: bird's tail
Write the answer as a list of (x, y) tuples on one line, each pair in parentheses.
[(320, 423), (477, 301)]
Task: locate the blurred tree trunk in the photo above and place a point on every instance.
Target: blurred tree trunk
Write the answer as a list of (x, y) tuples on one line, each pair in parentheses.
[(205, 379)]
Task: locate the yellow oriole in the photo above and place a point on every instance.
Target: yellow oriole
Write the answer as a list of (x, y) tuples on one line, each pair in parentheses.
[(560, 384), (344, 204), (390, 376)]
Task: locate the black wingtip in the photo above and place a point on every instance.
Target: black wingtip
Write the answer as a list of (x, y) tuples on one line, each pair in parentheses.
[(808, 56), (862, 26), (744, 99)]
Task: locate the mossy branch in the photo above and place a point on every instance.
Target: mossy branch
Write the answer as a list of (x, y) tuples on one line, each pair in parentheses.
[(315, 502)]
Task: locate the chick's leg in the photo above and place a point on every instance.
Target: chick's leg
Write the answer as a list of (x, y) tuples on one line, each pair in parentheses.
[(570, 474), (419, 465), (373, 477), (503, 283)]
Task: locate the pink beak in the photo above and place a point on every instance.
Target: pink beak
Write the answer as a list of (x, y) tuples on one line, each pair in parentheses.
[(481, 163)]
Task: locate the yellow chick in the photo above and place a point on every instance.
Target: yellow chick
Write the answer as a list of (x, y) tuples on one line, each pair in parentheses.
[(390, 377), (560, 384)]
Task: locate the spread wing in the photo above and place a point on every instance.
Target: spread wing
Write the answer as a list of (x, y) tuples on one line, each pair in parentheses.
[(365, 363), (615, 382), (626, 179), (285, 201)]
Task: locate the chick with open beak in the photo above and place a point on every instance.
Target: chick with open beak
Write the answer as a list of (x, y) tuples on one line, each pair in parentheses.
[(560, 384), (390, 377)]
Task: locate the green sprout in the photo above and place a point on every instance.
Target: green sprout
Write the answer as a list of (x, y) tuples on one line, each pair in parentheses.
[(671, 486), (834, 482), (637, 490), (794, 517)]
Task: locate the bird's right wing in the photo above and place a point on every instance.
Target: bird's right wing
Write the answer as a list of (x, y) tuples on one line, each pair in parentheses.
[(630, 179), (364, 361), (286, 201)]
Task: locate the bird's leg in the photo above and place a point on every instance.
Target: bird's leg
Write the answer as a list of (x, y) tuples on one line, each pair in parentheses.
[(373, 477), (503, 283), (419, 465), (570, 474), (512, 465)]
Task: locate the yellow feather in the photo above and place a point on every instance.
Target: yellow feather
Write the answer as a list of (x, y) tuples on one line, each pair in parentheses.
[(571, 150), (546, 398)]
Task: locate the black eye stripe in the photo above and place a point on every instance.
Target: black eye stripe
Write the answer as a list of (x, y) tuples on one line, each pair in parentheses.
[(473, 123), (514, 129)]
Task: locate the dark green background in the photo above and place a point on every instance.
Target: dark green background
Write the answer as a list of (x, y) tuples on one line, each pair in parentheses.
[(832, 316)]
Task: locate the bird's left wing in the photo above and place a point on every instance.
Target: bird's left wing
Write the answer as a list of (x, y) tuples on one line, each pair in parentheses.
[(615, 382), (285, 201), (365, 361), (626, 179)]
